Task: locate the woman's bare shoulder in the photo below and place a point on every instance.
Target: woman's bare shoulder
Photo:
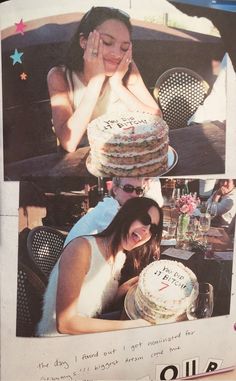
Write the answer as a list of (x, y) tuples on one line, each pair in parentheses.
[(56, 76), (77, 252), (57, 70), (78, 244)]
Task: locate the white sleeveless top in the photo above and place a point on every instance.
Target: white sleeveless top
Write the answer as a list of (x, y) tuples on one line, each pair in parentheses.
[(107, 101), (98, 290)]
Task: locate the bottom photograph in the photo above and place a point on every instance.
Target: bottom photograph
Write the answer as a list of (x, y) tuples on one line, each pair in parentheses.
[(105, 254)]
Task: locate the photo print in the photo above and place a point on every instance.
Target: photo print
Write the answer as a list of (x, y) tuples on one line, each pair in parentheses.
[(45, 90), (160, 251), (113, 177)]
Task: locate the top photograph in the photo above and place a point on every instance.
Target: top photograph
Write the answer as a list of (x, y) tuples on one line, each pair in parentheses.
[(102, 91)]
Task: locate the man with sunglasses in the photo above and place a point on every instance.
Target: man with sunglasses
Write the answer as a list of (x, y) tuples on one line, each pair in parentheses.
[(123, 188)]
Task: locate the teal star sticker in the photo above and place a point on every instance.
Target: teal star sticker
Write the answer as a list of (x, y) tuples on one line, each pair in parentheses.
[(16, 57)]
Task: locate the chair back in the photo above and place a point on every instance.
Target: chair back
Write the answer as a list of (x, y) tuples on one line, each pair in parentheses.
[(44, 246), (30, 291), (179, 91)]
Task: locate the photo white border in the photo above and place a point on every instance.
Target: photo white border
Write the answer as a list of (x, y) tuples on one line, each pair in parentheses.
[(213, 339)]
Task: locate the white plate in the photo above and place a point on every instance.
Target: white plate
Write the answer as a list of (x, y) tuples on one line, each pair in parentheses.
[(172, 161), (129, 304)]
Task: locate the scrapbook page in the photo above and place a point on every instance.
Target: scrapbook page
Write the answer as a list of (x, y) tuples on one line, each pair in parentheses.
[(156, 298)]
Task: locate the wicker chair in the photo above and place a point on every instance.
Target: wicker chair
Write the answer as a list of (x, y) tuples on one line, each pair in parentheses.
[(30, 290), (179, 91), (44, 246)]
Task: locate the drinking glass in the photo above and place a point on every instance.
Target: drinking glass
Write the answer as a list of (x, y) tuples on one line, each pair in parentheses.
[(204, 224), (192, 228), (203, 207), (174, 197), (176, 193), (212, 209), (172, 229), (202, 306)]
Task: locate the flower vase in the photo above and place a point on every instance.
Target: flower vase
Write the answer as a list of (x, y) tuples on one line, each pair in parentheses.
[(182, 228)]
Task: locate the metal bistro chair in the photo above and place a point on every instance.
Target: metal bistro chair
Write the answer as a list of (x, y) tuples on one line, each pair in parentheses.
[(179, 91), (30, 291), (44, 246)]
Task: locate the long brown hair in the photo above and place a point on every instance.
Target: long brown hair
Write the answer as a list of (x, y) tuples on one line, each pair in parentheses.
[(118, 229), (91, 19)]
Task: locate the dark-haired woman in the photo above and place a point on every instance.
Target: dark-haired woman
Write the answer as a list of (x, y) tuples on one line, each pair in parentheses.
[(99, 75), (85, 280), (224, 199)]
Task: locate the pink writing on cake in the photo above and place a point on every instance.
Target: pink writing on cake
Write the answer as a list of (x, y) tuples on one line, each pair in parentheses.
[(130, 128), (165, 285), (174, 281)]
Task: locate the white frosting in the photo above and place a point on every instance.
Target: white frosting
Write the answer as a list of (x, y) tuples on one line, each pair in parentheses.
[(167, 279), (132, 153), (116, 137), (101, 140), (137, 165), (145, 170), (164, 290), (130, 123)]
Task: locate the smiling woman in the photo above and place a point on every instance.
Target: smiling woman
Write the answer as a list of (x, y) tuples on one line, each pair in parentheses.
[(84, 282), (99, 75)]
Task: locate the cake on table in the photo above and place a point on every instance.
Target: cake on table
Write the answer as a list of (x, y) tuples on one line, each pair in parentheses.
[(164, 291), (129, 144)]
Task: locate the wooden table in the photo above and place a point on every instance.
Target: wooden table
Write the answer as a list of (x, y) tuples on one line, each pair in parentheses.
[(214, 271), (217, 236), (220, 242), (200, 149), (52, 165)]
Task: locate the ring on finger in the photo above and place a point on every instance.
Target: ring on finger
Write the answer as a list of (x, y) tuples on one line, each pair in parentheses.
[(94, 53)]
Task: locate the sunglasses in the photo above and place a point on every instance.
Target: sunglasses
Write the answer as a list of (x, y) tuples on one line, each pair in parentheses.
[(146, 220), (108, 10), (128, 188)]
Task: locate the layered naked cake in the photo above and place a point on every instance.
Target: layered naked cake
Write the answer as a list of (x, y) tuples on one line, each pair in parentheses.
[(130, 144), (165, 289)]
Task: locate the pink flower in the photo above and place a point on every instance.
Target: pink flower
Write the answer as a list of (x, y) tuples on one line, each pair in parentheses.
[(187, 203), (184, 209)]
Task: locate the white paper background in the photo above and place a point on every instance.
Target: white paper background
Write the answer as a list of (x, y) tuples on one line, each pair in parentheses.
[(65, 358)]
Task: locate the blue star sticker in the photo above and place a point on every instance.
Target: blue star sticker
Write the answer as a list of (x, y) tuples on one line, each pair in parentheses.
[(16, 57)]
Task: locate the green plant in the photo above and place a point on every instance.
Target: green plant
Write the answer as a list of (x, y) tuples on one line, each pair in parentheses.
[(197, 246)]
